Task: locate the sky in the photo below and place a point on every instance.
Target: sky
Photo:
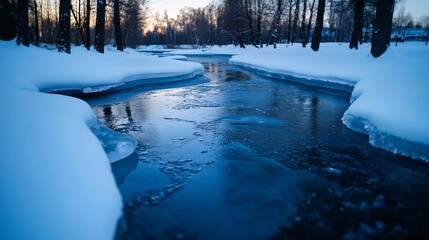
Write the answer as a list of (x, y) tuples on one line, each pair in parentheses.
[(417, 8), (173, 6)]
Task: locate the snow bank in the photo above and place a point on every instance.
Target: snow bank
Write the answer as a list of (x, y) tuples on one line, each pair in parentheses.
[(390, 100), (89, 71), (55, 176)]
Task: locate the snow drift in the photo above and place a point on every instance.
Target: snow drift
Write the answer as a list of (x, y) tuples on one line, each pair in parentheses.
[(55, 176)]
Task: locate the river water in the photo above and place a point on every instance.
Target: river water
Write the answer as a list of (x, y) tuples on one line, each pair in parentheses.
[(232, 155)]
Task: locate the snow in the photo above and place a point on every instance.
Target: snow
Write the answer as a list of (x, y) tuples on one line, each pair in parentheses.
[(116, 145), (389, 94), (55, 176)]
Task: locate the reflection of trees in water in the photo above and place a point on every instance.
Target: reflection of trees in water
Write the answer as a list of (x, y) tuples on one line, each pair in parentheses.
[(128, 111), (108, 116)]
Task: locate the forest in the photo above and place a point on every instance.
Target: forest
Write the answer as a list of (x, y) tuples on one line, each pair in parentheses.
[(260, 23)]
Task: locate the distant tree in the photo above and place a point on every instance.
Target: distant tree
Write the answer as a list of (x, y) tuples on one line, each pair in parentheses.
[(100, 26), (382, 27), (303, 23), (8, 21), (36, 25), (23, 31), (425, 23), (87, 25), (64, 27), (310, 19), (117, 22), (274, 31), (289, 26), (356, 38), (317, 34), (295, 21), (133, 22)]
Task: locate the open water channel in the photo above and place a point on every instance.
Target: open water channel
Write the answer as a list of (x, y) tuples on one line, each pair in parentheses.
[(233, 155)]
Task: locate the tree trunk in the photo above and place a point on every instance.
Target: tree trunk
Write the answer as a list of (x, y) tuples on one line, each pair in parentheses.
[(8, 22), (310, 19), (117, 23), (64, 27), (100, 26), (275, 25), (248, 11), (357, 24), (382, 27), (36, 23), (23, 32), (317, 34), (42, 29), (303, 38), (87, 27), (295, 21), (289, 22)]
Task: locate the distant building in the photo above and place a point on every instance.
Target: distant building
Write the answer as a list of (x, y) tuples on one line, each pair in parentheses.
[(409, 34)]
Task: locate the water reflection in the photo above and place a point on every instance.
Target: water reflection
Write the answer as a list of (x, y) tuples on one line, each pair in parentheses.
[(234, 159)]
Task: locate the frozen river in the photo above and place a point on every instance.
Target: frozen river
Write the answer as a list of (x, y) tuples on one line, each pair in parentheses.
[(233, 155)]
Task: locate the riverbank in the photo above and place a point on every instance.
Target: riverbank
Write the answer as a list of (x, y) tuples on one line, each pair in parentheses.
[(55, 176), (389, 94), (389, 99)]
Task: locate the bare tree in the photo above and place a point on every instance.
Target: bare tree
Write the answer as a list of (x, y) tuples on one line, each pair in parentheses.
[(295, 21), (87, 25), (382, 27), (100, 26), (8, 20), (357, 23), (64, 27), (289, 22), (425, 23), (36, 24), (274, 31), (23, 32), (303, 23), (117, 22), (317, 34), (310, 19)]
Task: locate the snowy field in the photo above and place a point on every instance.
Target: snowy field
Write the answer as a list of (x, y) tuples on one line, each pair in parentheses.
[(55, 176), (389, 94)]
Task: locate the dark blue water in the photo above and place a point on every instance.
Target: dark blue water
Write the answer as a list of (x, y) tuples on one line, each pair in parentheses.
[(233, 155)]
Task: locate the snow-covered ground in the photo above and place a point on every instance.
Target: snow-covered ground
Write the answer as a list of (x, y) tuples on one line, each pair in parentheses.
[(55, 176), (389, 94)]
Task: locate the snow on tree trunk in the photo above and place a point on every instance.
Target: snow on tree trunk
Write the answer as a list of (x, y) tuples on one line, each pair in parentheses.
[(100, 26), (64, 26), (317, 34), (382, 27)]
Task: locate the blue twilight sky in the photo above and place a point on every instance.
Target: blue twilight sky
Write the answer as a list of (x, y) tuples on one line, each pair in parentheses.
[(417, 8)]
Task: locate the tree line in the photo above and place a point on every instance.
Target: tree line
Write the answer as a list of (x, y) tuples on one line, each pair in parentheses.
[(257, 23), (82, 22), (268, 22)]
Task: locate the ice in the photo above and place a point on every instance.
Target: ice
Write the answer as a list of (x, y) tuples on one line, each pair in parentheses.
[(389, 99), (116, 145), (253, 120), (385, 140)]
